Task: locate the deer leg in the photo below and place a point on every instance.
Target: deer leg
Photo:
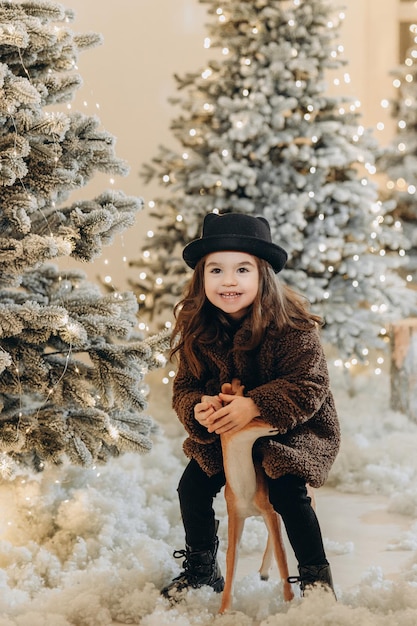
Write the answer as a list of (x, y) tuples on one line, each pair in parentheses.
[(267, 559), (234, 531), (273, 523), (265, 509), (311, 494)]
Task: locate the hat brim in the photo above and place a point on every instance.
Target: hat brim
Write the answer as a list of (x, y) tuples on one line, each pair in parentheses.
[(270, 252)]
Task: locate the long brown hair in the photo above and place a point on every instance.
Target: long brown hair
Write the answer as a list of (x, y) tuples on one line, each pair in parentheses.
[(198, 322)]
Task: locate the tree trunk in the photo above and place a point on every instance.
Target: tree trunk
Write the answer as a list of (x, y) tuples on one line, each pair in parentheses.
[(404, 367)]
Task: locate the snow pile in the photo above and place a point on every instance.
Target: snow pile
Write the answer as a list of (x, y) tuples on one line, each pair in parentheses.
[(93, 547)]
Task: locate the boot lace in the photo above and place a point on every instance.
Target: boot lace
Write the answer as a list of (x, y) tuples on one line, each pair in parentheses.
[(186, 575)]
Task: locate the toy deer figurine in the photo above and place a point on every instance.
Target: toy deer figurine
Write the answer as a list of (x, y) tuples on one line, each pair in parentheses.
[(246, 494)]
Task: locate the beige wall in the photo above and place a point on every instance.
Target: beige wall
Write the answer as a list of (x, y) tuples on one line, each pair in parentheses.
[(130, 79), (371, 42)]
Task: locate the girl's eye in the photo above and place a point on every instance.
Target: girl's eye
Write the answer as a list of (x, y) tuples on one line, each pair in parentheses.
[(215, 270), (242, 269)]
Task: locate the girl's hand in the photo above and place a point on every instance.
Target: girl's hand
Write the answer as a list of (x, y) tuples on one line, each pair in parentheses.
[(207, 407), (236, 412)]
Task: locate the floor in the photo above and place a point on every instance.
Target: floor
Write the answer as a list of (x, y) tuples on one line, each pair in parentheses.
[(360, 527)]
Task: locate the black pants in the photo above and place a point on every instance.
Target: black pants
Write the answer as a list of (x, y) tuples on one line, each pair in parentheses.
[(287, 494)]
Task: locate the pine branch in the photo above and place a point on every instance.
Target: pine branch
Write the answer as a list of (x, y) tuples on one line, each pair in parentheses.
[(71, 362)]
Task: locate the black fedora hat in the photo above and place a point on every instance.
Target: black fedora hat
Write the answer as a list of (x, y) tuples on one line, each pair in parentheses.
[(237, 232)]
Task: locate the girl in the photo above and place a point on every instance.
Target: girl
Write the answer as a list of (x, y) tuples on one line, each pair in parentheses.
[(237, 321)]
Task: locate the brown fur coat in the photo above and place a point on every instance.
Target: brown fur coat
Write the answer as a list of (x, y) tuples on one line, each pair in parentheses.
[(288, 380)]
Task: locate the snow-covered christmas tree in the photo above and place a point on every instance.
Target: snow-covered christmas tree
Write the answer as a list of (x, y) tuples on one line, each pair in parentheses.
[(399, 159), (258, 134), (72, 366)]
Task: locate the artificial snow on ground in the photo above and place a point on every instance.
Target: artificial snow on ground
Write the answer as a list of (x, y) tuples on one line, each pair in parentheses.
[(92, 547)]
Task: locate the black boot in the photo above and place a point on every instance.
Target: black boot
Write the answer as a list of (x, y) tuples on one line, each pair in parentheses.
[(200, 568), (312, 575)]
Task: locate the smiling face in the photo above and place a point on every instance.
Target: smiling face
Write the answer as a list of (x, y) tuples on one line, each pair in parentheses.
[(231, 281)]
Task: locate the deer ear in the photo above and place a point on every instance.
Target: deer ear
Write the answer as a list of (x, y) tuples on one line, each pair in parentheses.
[(227, 388), (237, 387)]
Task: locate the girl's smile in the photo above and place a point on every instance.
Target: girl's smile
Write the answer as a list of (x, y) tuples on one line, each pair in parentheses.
[(231, 281)]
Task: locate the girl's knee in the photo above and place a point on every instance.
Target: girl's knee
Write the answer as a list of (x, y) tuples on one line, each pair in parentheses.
[(288, 492)]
